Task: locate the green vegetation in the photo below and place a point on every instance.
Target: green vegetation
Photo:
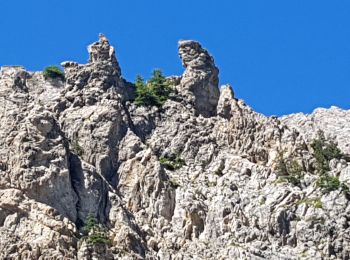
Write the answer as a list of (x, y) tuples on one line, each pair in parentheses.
[(315, 202), (330, 183), (53, 72), (324, 152), (153, 93), (290, 170), (76, 148), (172, 163), (95, 233)]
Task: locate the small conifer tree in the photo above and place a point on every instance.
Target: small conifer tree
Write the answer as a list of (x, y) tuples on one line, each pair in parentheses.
[(95, 232), (153, 93), (53, 72)]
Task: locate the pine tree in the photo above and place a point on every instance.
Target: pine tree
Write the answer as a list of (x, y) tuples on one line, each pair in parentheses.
[(153, 93)]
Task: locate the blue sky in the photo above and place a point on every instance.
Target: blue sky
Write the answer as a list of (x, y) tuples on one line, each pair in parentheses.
[(279, 56)]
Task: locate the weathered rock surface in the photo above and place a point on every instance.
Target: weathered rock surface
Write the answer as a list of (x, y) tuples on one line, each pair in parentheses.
[(333, 121), (82, 148), (200, 78)]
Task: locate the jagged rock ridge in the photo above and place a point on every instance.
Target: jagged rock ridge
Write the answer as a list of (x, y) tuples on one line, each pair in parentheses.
[(81, 148)]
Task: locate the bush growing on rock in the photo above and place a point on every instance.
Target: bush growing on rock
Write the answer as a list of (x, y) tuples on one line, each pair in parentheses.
[(95, 232), (328, 183), (153, 93), (172, 163), (53, 72), (289, 170), (324, 152)]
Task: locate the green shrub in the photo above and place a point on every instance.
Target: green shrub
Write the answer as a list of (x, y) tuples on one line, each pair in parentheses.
[(289, 170), (281, 165), (90, 223), (324, 152), (172, 163), (328, 183), (95, 233), (53, 72), (153, 93)]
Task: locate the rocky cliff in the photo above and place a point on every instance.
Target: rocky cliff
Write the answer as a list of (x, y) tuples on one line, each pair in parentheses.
[(198, 178)]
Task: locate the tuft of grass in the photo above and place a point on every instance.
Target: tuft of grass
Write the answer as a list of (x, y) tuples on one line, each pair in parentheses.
[(315, 202), (53, 72)]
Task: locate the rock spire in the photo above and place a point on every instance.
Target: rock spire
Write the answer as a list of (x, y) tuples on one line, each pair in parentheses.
[(200, 77)]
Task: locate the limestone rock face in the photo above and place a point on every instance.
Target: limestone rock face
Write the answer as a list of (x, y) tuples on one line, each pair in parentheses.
[(333, 121), (102, 51), (34, 154), (200, 77), (224, 108), (197, 178)]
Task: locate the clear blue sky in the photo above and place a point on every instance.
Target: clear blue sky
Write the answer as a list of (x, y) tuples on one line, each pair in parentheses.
[(280, 56)]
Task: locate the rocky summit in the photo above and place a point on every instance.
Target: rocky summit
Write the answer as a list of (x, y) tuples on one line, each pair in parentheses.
[(86, 173)]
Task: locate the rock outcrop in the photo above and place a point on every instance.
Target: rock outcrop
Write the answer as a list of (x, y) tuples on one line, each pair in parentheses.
[(198, 178), (200, 78), (333, 121)]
